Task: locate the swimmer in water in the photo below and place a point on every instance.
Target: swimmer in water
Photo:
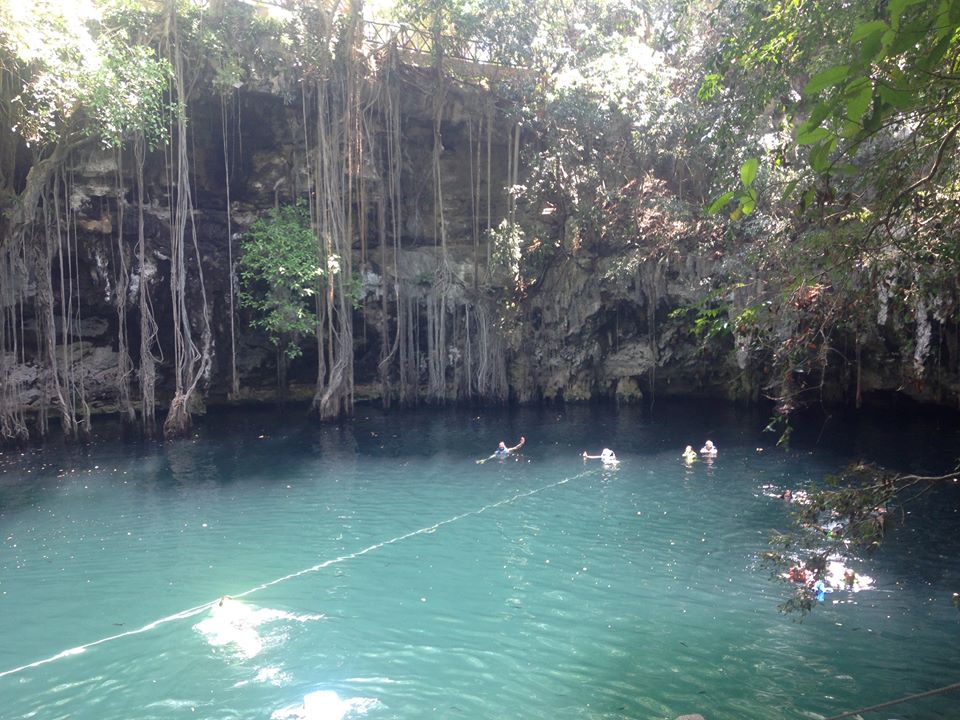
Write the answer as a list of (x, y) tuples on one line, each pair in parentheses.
[(849, 579), (606, 456), (689, 455), (503, 451), (232, 624), (709, 450)]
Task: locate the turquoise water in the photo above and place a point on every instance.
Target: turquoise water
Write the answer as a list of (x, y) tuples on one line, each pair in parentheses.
[(379, 572)]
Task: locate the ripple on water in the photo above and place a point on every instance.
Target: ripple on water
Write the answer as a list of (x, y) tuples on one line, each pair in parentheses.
[(410, 582)]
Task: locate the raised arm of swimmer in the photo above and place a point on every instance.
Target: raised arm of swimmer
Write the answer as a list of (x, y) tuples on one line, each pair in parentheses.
[(503, 451), (514, 448)]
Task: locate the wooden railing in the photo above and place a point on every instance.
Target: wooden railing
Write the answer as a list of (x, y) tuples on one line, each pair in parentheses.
[(410, 39), (421, 42)]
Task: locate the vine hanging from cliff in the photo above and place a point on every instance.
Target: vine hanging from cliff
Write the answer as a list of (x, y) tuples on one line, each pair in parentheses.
[(148, 324), (191, 363), (332, 105), (124, 372), (13, 279)]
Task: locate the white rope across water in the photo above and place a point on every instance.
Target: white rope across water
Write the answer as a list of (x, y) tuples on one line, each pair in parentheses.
[(399, 538), (83, 648), (197, 609)]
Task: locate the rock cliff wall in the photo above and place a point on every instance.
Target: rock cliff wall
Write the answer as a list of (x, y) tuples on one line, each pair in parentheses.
[(594, 321)]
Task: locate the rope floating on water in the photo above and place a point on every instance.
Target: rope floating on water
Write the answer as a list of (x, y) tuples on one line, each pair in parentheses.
[(399, 538), (891, 703), (196, 610), (190, 612)]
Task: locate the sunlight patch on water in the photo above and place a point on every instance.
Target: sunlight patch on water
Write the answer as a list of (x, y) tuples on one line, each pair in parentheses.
[(237, 625), (326, 705)]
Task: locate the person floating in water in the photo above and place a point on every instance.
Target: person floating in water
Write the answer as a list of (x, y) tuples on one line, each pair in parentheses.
[(503, 451), (606, 456), (689, 455), (820, 589), (709, 450), (849, 579)]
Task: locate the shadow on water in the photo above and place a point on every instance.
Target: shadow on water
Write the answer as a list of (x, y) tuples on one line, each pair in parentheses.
[(633, 588), (915, 440), (218, 448)]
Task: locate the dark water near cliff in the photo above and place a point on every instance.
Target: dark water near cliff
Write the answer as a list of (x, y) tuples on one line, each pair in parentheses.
[(381, 573)]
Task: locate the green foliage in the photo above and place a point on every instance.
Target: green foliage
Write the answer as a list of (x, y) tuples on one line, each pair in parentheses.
[(82, 73), (280, 275), (853, 115), (746, 195), (710, 322), (127, 94), (233, 45), (506, 242), (51, 55), (891, 82), (355, 290), (710, 86), (714, 316), (895, 67), (748, 171)]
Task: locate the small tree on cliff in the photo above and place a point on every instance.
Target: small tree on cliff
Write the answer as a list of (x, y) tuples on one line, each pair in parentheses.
[(279, 274)]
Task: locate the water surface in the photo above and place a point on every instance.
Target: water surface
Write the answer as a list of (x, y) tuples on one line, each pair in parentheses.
[(380, 572)]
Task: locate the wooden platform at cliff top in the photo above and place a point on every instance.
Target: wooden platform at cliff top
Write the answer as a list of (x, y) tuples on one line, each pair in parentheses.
[(462, 56)]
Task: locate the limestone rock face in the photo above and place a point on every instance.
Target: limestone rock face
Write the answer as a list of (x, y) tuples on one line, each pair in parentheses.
[(573, 317), (600, 326)]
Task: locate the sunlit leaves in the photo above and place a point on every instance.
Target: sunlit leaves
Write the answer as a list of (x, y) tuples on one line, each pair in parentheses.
[(827, 78), (748, 171), (859, 94), (896, 68), (77, 75), (51, 52), (746, 195), (126, 95), (749, 202), (710, 86), (721, 202), (812, 136)]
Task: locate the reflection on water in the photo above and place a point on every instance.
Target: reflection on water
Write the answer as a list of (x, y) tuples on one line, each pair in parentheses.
[(376, 570), (193, 461)]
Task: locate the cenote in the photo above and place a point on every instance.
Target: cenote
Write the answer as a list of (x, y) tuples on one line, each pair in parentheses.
[(378, 571)]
